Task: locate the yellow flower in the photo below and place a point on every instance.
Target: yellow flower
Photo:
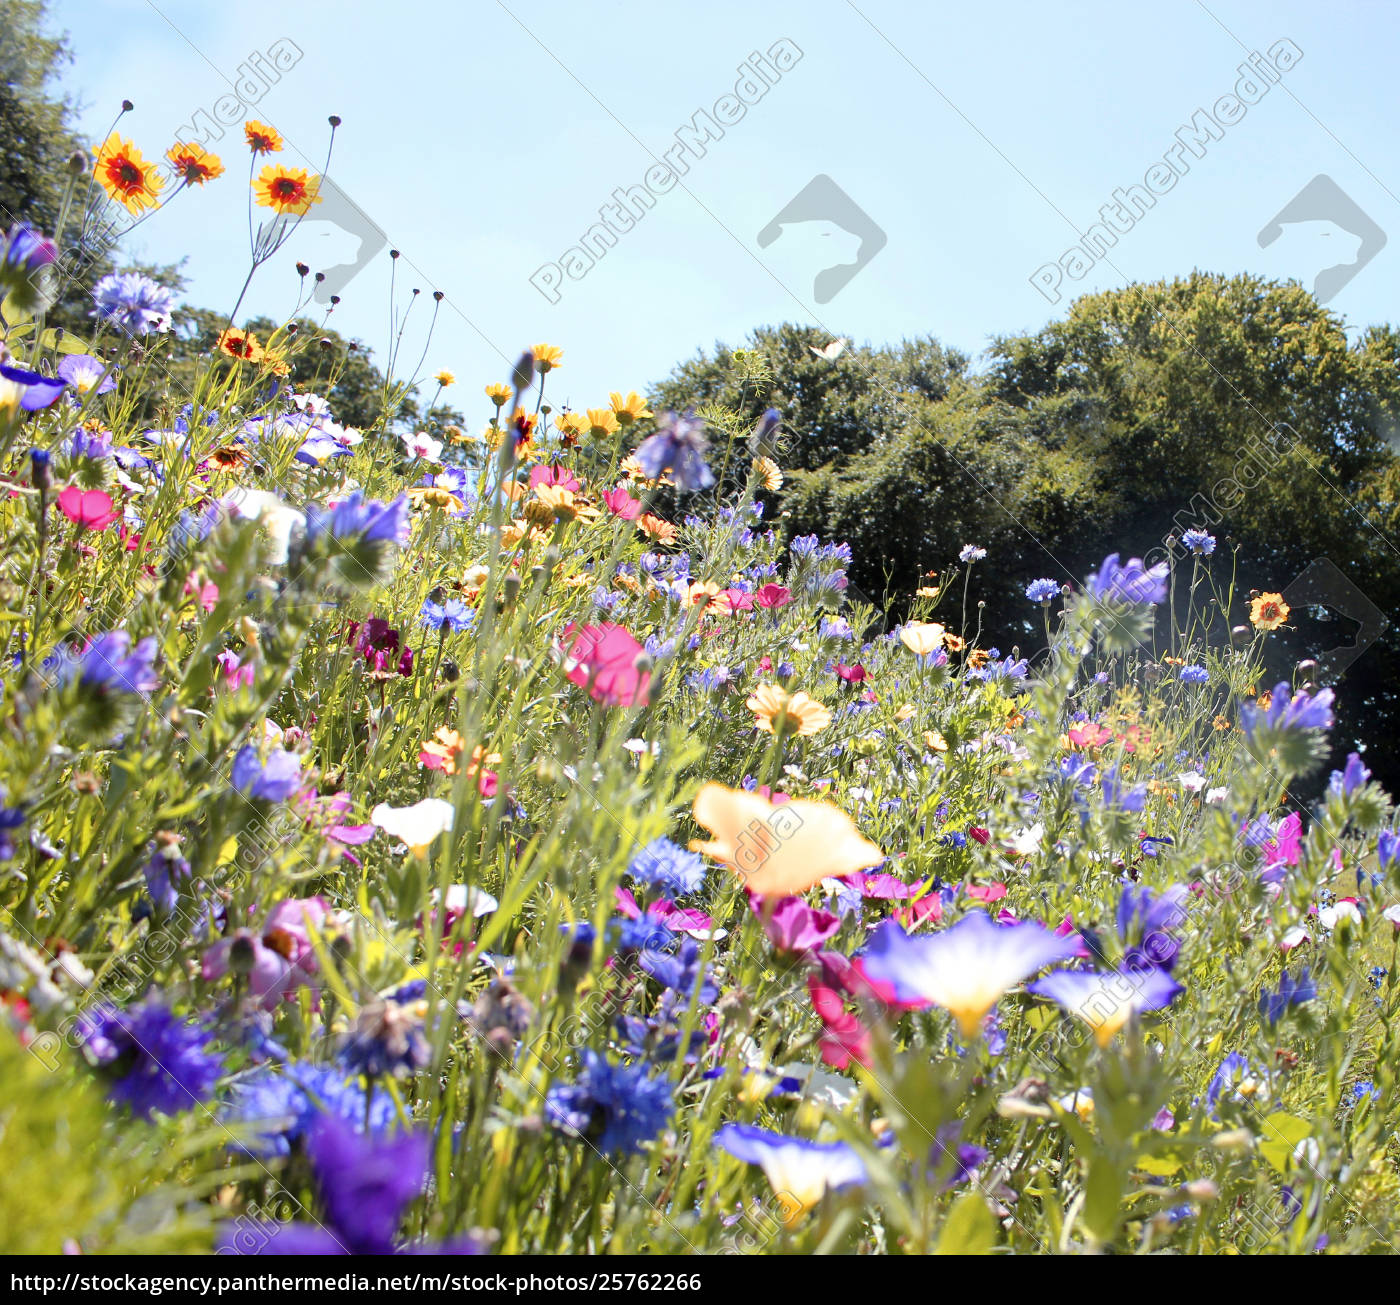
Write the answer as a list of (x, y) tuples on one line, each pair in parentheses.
[(498, 394), (445, 377), (570, 426), (554, 503), (927, 591), (769, 474), (1268, 611), (632, 408), (194, 164), (126, 176), (780, 850), (433, 496), (704, 593), (776, 711), (261, 138), (601, 421), (287, 190), (547, 357), (242, 345), (935, 742), (922, 637)]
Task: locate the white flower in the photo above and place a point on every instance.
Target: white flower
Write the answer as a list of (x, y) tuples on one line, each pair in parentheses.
[(422, 445), (464, 898), (1215, 796), (417, 825), (1293, 937), (1027, 841), (1192, 781), (277, 519), (1329, 917)]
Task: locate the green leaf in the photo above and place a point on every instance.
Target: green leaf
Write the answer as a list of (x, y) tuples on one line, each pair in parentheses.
[(1284, 1133), (970, 1228)]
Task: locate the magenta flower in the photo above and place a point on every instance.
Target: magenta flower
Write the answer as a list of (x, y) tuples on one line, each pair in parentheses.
[(280, 959), (88, 509), (792, 925), (604, 660)]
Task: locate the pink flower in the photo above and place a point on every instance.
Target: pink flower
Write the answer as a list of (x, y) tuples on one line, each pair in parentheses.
[(88, 509), (678, 919), (280, 959), (792, 925), (621, 504), (236, 675), (773, 596), (851, 674), (558, 477), (603, 660), (207, 594), (985, 892), (1286, 847)]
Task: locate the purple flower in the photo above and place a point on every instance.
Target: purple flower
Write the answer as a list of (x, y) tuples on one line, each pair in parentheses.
[(800, 1172), (615, 1107), (155, 1060), (365, 1185), (1149, 917), (1043, 591), (273, 780), (30, 391), (793, 926), (1289, 711), (111, 664), (360, 519), (1387, 847), (25, 268), (1347, 781), (1194, 675), (452, 614), (1129, 582), (1291, 992), (133, 303), (1105, 1002), (678, 445), (84, 372), (965, 969)]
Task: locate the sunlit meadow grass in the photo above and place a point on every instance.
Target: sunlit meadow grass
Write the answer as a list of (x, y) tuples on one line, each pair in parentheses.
[(282, 899)]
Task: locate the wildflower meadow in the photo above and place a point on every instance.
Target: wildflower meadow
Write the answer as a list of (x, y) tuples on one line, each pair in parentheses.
[(506, 836)]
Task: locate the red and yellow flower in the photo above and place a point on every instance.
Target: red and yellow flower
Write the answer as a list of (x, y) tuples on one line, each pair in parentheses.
[(126, 176), (286, 190)]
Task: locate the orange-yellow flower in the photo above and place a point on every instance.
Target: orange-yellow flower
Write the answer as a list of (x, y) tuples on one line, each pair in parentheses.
[(194, 163), (776, 711), (655, 528), (261, 138), (922, 637), (445, 377), (601, 421), (547, 357), (434, 496), (570, 426), (780, 850), (286, 190), (242, 345), (498, 393), (769, 474), (705, 593), (632, 408), (1268, 611), (126, 176)]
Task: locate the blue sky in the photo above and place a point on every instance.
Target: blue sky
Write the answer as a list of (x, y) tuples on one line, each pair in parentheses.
[(482, 138)]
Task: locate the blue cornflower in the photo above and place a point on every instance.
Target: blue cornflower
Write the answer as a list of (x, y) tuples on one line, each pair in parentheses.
[(1194, 675), (1043, 591), (273, 780), (1291, 992), (165, 870), (1130, 581), (616, 1107), (971, 553), (453, 614), (678, 445), (1199, 541), (155, 1060), (836, 627), (11, 818), (25, 268), (133, 303), (663, 864)]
